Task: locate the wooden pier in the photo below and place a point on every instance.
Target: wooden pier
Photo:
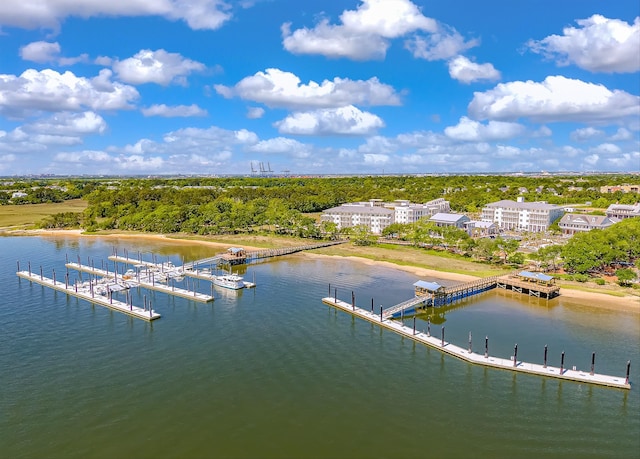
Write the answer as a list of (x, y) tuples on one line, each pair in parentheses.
[(435, 295), (147, 282), (242, 257), (512, 364), (90, 296)]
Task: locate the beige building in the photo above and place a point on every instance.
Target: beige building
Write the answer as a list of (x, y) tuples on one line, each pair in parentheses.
[(623, 188)]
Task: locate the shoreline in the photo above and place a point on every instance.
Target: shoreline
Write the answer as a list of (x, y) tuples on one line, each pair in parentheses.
[(627, 303)]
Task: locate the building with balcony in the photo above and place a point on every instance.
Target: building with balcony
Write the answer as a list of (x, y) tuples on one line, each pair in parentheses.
[(622, 211), (522, 216), (577, 223)]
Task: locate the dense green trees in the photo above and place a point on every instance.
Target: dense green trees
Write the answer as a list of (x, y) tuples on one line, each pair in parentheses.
[(596, 250)]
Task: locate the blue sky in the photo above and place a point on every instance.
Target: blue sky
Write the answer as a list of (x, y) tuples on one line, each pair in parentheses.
[(154, 87)]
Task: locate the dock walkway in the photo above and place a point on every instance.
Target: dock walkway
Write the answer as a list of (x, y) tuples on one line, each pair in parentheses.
[(447, 295), (480, 359), (89, 295), (247, 257), (148, 283)]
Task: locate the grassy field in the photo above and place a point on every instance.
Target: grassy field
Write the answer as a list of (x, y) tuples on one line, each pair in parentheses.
[(25, 216)]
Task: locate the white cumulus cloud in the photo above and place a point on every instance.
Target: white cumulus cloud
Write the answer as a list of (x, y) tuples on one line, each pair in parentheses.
[(600, 44), (69, 124), (158, 66), (466, 71), (582, 134), (254, 113), (48, 90), (32, 14), (557, 98), (362, 34), (440, 45), (473, 131), (341, 121), (276, 88), (174, 111), (282, 145), (43, 51)]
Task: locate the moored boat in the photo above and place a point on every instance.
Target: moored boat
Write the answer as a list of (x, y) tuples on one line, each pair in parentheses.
[(232, 281)]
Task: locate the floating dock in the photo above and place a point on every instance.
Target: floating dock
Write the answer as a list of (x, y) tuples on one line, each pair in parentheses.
[(176, 271), (481, 359), (90, 296), (145, 282)]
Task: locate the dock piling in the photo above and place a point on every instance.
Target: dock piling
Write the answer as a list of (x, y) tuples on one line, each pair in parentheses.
[(562, 363), (443, 335), (428, 327), (380, 313), (54, 276), (593, 362), (335, 295), (545, 357), (40, 272), (469, 342), (515, 355), (626, 381), (29, 263), (353, 301), (18, 265), (414, 325), (486, 347)]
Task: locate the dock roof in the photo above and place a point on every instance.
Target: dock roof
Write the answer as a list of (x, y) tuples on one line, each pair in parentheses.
[(431, 286), (536, 276)]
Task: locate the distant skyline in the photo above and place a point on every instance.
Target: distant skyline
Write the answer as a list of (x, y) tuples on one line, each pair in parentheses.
[(154, 87)]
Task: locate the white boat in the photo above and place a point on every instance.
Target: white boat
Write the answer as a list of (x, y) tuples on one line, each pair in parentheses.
[(232, 281)]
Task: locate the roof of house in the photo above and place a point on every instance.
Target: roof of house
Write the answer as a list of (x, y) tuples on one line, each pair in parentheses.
[(450, 218), (591, 220), (351, 208), (632, 207), (523, 205), (481, 223)]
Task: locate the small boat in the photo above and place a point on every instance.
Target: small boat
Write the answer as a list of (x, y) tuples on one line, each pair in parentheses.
[(232, 281)]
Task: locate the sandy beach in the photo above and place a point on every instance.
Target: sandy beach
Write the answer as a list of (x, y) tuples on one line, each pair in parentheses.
[(599, 300)]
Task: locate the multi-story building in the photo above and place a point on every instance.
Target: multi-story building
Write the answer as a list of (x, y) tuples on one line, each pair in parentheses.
[(377, 215), (622, 211), (407, 212), (623, 188), (521, 215), (374, 217), (578, 223)]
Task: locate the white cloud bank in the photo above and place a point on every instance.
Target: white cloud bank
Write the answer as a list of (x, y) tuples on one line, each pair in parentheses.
[(174, 111), (32, 14), (600, 44), (339, 121), (555, 99), (362, 34), (276, 88), (158, 67), (44, 51), (48, 90), (469, 130)]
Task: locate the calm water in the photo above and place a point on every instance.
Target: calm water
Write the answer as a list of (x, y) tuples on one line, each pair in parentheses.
[(273, 372)]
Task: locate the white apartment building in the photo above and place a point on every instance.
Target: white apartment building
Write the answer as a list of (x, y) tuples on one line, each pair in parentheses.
[(377, 215), (622, 211), (520, 215), (407, 212), (374, 217)]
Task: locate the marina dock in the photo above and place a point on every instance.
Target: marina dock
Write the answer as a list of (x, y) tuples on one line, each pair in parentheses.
[(175, 271), (89, 295), (512, 364), (145, 281)]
